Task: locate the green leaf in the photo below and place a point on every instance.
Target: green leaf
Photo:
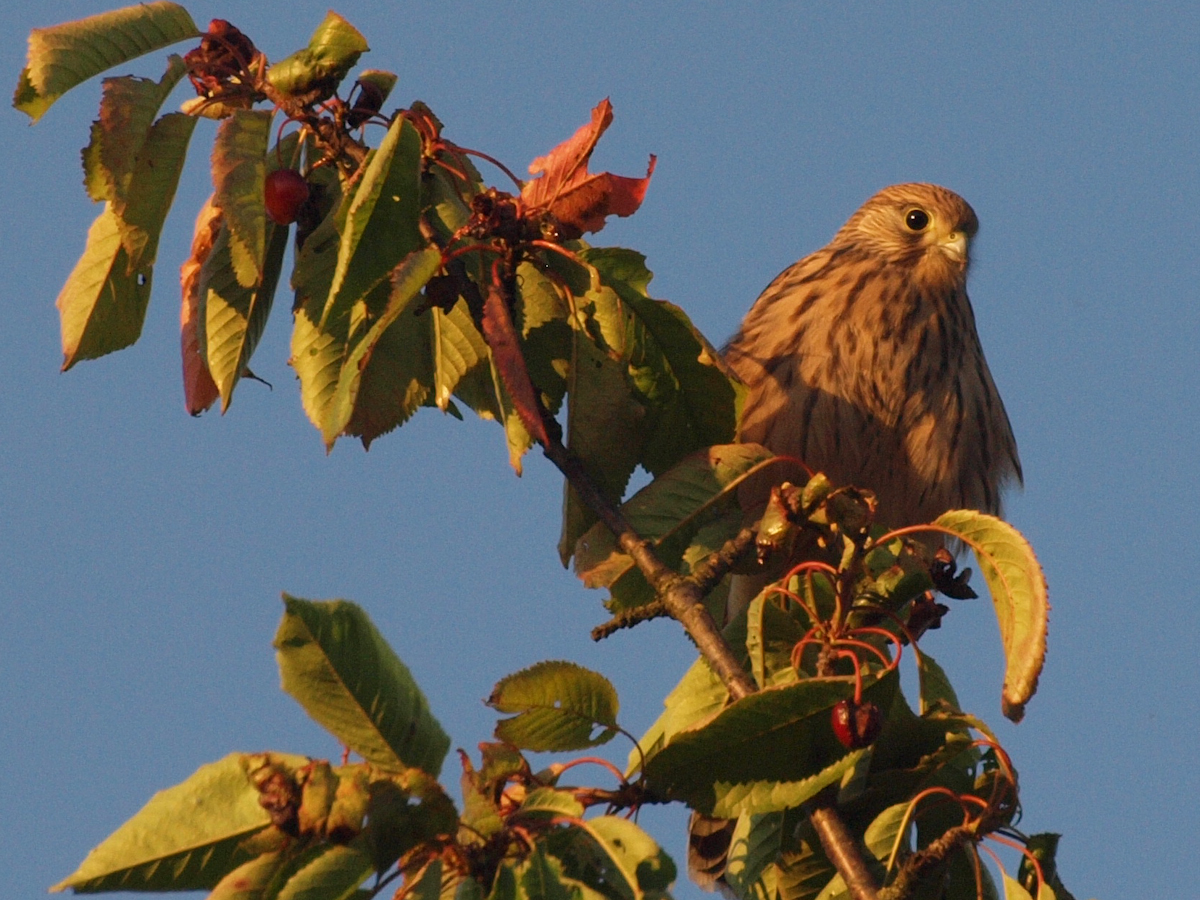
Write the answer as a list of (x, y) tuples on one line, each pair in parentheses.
[(381, 221), (250, 880), (239, 170), (692, 401), (103, 304), (763, 753), (156, 172), (318, 69), (334, 874), (754, 847), (539, 877), (317, 352), (128, 106), (559, 706), (548, 802), (372, 399), (880, 838), (395, 824), (641, 864), (336, 664), (65, 55), (603, 431), (671, 511), (936, 690), (458, 350), (185, 838), (1019, 594), (699, 695), (233, 316)]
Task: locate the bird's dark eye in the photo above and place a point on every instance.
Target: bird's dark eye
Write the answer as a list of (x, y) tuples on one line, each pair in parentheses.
[(916, 219)]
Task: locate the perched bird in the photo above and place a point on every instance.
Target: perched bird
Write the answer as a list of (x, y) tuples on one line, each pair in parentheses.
[(863, 361)]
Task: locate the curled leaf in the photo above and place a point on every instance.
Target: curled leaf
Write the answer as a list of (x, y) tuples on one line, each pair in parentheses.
[(1019, 594), (578, 200)]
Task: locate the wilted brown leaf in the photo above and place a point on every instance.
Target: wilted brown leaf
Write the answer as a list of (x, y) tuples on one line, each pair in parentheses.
[(199, 389), (577, 199)]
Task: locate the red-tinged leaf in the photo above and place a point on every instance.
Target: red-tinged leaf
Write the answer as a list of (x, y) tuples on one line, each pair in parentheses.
[(199, 389), (501, 337), (577, 199)]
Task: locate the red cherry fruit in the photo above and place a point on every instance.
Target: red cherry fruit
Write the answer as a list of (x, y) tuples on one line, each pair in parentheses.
[(856, 725), (284, 193)]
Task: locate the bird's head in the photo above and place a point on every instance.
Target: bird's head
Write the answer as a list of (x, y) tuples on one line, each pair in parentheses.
[(920, 225)]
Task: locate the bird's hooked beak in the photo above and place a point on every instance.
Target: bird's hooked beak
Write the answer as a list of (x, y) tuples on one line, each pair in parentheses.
[(954, 245)]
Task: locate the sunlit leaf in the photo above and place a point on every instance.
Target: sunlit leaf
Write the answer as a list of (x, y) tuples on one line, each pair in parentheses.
[(559, 706), (238, 171), (699, 695), (316, 71), (128, 106), (632, 856), (185, 838), (65, 55), (1019, 594), (103, 304), (336, 664), (547, 802), (381, 225), (755, 846)]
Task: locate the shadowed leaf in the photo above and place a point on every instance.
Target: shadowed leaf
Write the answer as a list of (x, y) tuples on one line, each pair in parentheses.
[(764, 753), (402, 380), (671, 511)]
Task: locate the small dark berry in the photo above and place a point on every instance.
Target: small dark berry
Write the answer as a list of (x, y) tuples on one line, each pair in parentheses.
[(856, 725), (284, 193)]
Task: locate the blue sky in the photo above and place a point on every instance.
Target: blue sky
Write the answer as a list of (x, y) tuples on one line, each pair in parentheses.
[(145, 551)]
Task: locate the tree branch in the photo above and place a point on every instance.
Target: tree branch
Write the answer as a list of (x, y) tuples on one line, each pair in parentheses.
[(920, 863), (683, 598)]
